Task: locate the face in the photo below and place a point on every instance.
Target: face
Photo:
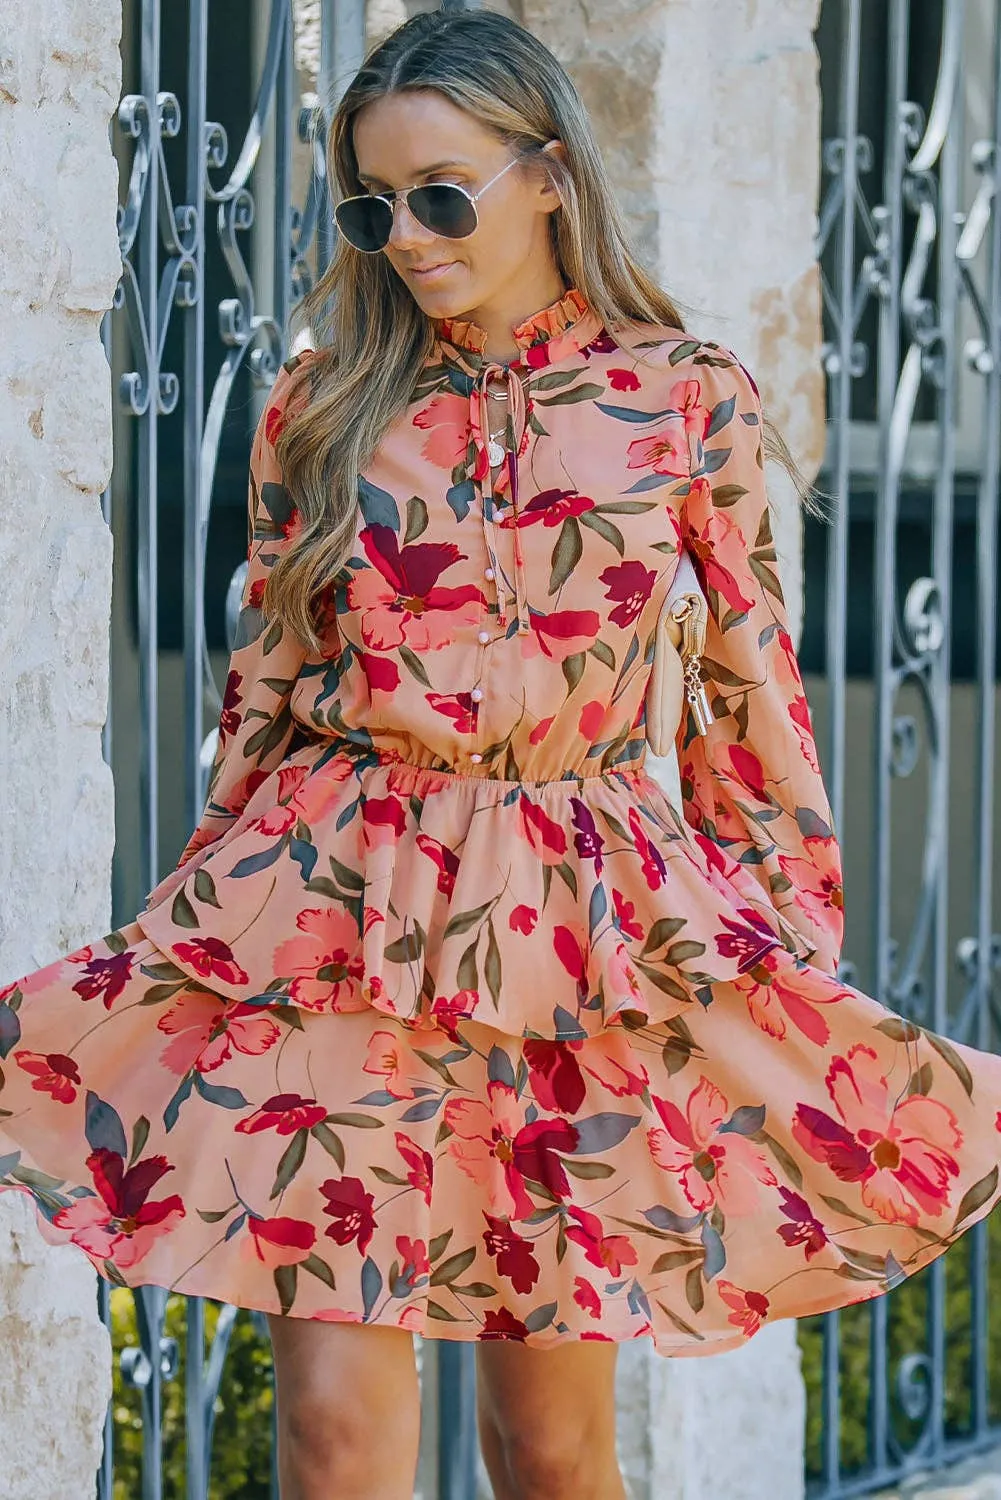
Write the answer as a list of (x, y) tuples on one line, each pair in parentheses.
[(408, 139)]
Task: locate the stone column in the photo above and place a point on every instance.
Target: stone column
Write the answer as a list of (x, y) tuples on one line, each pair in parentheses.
[(59, 84), (708, 113)]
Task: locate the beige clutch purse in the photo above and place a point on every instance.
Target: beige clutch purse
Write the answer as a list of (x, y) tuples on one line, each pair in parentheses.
[(677, 662)]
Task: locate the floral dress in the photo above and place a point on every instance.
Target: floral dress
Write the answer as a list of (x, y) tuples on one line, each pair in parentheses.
[(447, 1019)]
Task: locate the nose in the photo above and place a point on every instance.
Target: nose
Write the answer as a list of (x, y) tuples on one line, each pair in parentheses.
[(406, 229)]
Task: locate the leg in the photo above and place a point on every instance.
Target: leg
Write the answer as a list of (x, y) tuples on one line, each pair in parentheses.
[(547, 1421), (348, 1410)]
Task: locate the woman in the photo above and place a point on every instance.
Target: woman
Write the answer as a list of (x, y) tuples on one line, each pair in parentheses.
[(447, 1022)]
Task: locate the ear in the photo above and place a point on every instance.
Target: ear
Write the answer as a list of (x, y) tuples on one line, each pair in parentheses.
[(548, 190)]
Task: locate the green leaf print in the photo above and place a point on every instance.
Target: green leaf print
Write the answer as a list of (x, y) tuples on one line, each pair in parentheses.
[(566, 554), (286, 1282), (103, 1127), (292, 1159), (205, 889), (417, 518), (975, 1197), (182, 913), (450, 1269)]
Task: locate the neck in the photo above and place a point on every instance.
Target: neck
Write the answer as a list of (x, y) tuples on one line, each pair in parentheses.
[(499, 316)]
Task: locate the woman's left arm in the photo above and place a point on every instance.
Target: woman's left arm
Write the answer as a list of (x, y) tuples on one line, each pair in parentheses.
[(752, 784)]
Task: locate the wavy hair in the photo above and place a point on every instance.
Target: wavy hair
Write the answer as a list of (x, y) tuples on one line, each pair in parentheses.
[(372, 337)]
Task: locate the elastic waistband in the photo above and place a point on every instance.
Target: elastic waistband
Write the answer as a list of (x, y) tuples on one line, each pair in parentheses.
[(380, 755)]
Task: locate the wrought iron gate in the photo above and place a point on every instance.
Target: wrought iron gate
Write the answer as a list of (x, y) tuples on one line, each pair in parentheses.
[(221, 231), (910, 243), (224, 222)]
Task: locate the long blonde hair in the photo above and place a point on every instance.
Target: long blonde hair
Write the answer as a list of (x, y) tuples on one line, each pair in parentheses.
[(372, 337)]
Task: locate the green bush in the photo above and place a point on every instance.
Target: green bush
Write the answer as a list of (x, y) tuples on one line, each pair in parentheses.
[(242, 1441), (908, 1333)]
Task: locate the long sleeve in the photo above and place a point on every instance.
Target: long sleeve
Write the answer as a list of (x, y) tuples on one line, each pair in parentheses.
[(752, 785), (255, 723)]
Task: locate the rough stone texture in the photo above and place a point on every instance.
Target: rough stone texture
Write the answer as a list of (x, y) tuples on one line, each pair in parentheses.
[(59, 82)]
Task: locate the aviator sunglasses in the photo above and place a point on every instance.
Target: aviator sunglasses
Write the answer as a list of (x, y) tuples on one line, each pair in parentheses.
[(366, 221)]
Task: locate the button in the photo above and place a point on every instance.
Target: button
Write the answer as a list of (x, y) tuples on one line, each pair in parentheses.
[(476, 694), (483, 637), (476, 757), (489, 574)]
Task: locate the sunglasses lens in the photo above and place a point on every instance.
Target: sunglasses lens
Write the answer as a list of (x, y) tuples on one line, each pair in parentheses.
[(444, 209), (365, 222)]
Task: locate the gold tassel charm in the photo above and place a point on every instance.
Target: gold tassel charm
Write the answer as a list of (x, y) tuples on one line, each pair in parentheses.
[(689, 611)]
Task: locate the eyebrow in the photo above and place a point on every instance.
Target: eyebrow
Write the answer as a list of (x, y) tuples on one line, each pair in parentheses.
[(439, 166)]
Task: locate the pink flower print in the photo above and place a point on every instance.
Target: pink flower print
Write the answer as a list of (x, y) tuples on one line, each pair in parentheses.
[(230, 717), (540, 731), (686, 398), (351, 1209), (554, 1076), (707, 553), (749, 1309), (211, 958), (400, 599), (106, 976), (118, 1223), (419, 1164), (804, 1228), (588, 842), (665, 452), (586, 1297), (714, 1167), (381, 672), (207, 1033), (54, 1074), (502, 1324), (541, 832), (551, 507), (591, 718), (446, 418), (280, 1241), (774, 1005), (743, 939), (899, 1149), (325, 966), (565, 632), (449, 1011), (390, 1058), (630, 585), (622, 980), (492, 1146), (623, 380), (625, 917), (274, 422), (284, 1114), (609, 1252), (384, 820), (444, 860), (609, 1057), (651, 860), (523, 919), (513, 1254), (459, 707), (574, 952), (414, 1254), (414, 1267)]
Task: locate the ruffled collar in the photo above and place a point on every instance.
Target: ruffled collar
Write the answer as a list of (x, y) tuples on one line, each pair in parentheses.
[(553, 333)]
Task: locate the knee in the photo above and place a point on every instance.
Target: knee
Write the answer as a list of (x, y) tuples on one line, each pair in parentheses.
[(563, 1465), (333, 1441)]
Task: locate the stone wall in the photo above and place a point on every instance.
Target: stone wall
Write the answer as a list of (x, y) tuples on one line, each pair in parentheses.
[(59, 83)]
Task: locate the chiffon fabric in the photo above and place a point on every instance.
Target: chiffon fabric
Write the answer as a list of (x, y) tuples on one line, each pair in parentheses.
[(447, 1019)]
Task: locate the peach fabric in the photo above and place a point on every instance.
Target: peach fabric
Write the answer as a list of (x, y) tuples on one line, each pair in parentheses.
[(447, 1019)]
